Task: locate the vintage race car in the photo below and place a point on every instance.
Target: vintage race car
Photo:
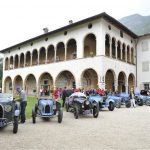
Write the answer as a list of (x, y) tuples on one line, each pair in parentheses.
[(80, 105), (125, 99), (142, 99), (9, 111), (103, 101), (47, 108)]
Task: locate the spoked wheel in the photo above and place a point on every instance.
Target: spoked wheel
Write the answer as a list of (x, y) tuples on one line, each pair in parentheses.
[(76, 112), (15, 125), (95, 112), (60, 116), (33, 116), (128, 104), (111, 106), (148, 103)]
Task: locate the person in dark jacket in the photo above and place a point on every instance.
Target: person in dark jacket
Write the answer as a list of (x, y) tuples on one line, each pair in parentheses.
[(23, 103)]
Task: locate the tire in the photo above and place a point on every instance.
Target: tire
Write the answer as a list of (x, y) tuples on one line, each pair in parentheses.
[(111, 106), (33, 116), (76, 112), (67, 107), (128, 104), (95, 112), (15, 125), (140, 103), (60, 116), (147, 103)]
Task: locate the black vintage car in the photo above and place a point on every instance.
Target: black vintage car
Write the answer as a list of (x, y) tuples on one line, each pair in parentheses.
[(9, 111), (80, 105)]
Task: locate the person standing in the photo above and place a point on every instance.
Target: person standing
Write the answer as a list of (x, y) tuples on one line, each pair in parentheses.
[(23, 103), (132, 98)]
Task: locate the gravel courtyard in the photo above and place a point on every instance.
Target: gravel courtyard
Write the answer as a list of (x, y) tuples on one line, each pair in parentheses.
[(122, 129)]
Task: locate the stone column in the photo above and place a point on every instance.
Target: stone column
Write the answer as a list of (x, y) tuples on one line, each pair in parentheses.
[(18, 61), (46, 56), (38, 57), (126, 58), (116, 50), (121, 50), (65, 51), (110, 43), (80, 48)]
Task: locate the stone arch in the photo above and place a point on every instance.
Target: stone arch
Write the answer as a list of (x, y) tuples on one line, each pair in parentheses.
[(107, 45), (131, 81), (50, 54), (113, 46), (35, 57), (71, 49), (110, 80), (16, 61), (124, 52), (65, 79), (45, 83), (28, 59), (119, 50), (22, 60), (89, 79), (122, 82), (18, 82), (6, 63), (30, 84), (90, 45), (42, 55), (8, 85), (11, 66), (60, 52)]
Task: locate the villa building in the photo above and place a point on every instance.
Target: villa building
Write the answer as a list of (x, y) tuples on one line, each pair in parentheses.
[(97, 52)]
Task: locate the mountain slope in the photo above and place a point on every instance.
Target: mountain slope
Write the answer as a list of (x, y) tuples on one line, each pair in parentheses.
[(137, 23)]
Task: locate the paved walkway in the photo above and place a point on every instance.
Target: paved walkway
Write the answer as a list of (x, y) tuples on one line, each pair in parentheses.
[(122, 129)]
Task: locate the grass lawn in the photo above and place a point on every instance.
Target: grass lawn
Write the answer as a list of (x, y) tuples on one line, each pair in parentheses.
[(30, 104)]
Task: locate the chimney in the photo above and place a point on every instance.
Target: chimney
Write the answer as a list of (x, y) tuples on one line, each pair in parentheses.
[(45, 30), (70, 22)]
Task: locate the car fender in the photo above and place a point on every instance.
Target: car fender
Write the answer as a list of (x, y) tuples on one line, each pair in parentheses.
[(111, 100)]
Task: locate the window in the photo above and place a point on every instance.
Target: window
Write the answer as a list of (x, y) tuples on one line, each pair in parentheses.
[(90, 25), (121, 34), (144, 46), (145, 66), (146, 86), (45, 82)]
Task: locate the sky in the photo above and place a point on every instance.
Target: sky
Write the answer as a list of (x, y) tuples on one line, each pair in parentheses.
[(21, 20)]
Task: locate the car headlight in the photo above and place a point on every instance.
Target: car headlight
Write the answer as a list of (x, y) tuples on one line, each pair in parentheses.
[(8, 108), (87, 102)]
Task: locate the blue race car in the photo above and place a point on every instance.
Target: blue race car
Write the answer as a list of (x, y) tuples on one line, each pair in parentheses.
[(103, 101), (47, 108)]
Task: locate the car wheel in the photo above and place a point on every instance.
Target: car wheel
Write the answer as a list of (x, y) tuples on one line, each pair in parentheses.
[(111, 106), (148, 103), (140, 103), (60, 116), (33, 116), (128, 104), (67, 107), (15, 125), (95, 112), (76, 112)]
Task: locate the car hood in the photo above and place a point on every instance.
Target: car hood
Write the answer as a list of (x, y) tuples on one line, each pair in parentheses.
[(45, 102)]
